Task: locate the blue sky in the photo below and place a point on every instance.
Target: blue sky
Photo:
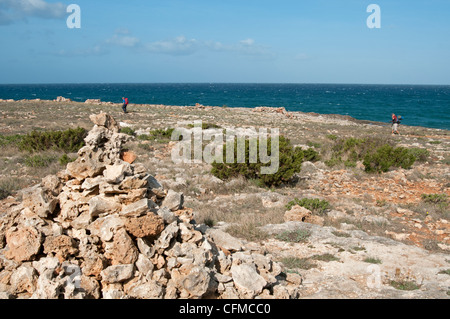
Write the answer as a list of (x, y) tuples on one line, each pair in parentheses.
[(258, 41)]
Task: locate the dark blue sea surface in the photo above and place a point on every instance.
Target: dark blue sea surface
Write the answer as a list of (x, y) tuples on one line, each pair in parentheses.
[(419, 105)]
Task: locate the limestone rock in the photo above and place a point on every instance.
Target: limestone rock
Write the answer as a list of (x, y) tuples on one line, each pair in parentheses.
[(24, 279), (114, 174), (36, 199), (150, 225), (124, 250), (105, 120), (247, 281), (101, 204), (224, 240), (173, 201), (138, 208), (195, 284), (23, 243), (117, 273), (62, 246), (128, 156), (86, 165), (301, 214)]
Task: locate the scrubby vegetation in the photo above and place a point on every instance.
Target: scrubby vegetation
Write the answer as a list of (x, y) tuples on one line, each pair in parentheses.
[(70, 140), (386, 156), (377, 154), (295, 236), (315, 205), (162, 134), (290, 161), (127, 130)]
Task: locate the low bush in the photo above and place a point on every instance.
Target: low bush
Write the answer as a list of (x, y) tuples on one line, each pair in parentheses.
[(6, 140), (386, 156), (290, 161), (295, 236), (205, 126), (69, 141), (127, 130), (311, 155), (300, 263), (420, 154), (39, 160), (64, 160), (315, 205)]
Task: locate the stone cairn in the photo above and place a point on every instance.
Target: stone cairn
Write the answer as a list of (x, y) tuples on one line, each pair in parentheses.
[(106, 229)]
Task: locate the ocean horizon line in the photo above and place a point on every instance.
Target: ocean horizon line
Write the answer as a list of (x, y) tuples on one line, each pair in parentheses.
[(222, 83)]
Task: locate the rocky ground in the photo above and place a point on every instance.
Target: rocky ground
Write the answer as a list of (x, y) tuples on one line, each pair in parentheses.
[(378, 240)]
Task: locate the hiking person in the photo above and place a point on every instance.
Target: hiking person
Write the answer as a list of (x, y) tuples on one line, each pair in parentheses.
[(125, 104), (395, 123)]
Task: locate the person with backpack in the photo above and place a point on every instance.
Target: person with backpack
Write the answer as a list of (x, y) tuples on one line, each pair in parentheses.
[(125, 104), (395, 123)]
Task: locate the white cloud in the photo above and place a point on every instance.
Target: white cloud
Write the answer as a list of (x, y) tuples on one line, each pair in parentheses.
[(248, 42), (123, 41), (95, 51), (177, 46), (13, 10)]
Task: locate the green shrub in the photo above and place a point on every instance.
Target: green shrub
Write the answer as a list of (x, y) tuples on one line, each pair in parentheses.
[(325, 257), (39, 160), (315, 205), (435, 198), (420, 154), (6, 140), (404, 285), (70, 140), (127, 130), (311, 155), (386, 156), (332, 137), (372, 260), (290, 161), (295, 236), (205, 126), (64, 160), (160, 133), (300, 263)]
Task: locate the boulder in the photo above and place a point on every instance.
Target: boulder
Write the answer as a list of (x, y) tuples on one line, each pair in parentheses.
[(114, 174), (224, 240), (173, 200), (117, 273), (102, 204), (150, 226), (38, 201), (24, 279), (86, 165), (61, 246), (123, 249), (301, 214), (247, 281), (23, 243), (139, 208)]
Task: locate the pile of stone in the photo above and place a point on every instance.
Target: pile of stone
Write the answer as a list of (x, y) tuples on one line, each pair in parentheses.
[(268, 109), (105, 228), (62, 99), (93, 101)]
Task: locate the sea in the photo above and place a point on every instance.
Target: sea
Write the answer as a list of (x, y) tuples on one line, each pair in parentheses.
[(418, 105)]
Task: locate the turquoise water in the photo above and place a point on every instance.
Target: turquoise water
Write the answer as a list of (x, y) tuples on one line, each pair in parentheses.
[(419, 105)]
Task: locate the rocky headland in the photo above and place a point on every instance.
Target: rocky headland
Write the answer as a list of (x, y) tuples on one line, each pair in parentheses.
[(122, 220)]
